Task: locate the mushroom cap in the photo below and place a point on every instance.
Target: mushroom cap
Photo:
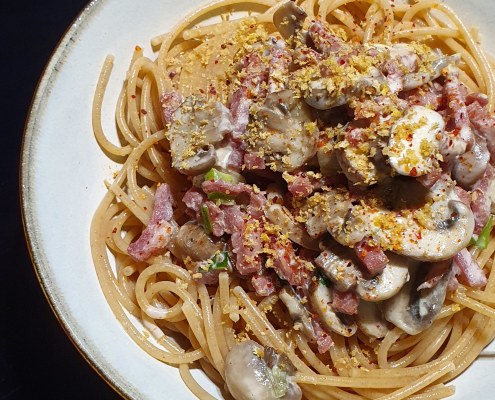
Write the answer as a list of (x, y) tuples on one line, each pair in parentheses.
[(288, 18), (193, 242), (414, 310)]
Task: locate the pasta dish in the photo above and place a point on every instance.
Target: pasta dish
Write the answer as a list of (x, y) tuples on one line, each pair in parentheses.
[(304, 206)]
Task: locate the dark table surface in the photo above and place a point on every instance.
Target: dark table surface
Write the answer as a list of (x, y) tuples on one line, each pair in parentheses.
[(37, 360)]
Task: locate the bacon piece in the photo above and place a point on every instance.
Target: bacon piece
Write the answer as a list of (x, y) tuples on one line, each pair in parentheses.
[(253, 161), (470, 272), (278, 68), (463, 196), (324, 40), (257, 202), (233, 189), (264, 284), (323, 339), (245, 239), (170, 102), (427, 96), (236, 156), (480, 203), (345, 302), (458, 112), (157, 234), (372, 256), (217, 219), (193, 199), (430, 178), (287, 264), (239, 107), (435, 273), (300, 186), (480, 98), (484, 123)]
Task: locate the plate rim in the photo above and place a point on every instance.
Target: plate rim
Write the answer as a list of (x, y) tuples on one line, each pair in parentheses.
[(30, 227)]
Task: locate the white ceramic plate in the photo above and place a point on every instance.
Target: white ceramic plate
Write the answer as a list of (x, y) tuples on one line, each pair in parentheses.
[(63, 170)]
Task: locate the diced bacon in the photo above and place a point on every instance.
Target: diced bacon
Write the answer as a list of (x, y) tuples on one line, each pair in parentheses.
[(480, 98), (304, 56), (470, 272), (157, 234), (484, 123), (458, 112), (217, 219), (253, 161), (372, 256), (435, 272), (256, 204), (300, 186), (239, 107), (278, 69), (430, 178), (287, 265), (345, 302), (264, 284), (427, 96), (233, 189), (170, 102), (245, 239), (463, 196), (236, 156), (324, 40), (323, 339), (193, 199), (480, 202)]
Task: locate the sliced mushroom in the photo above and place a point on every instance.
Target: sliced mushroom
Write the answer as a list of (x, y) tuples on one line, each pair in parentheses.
[(470, 166), (253, 372), (385, 285), (281, 216), (415, 80), (414, 141), (370, 320), (193, 242), (298, 313), (196, 127), (283, 130), (340, 265), (288, 19), (414, 311), (321, 300), (434, 229)]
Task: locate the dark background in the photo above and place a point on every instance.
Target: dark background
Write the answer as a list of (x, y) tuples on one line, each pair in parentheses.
[(37, 360)]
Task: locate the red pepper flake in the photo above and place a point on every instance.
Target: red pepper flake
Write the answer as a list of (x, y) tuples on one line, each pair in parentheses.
[(414, 171), (409, 137), (216, 61), (138, 48), (171, 74), (114, 230), (133, 96), (419, 236), (201, 91), (144, 112)]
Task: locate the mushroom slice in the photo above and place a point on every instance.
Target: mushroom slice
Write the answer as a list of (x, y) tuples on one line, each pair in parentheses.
[(415, 80), (321, 300), (470, 166), (283, 130), (253, 372), (193, 242), (298, 313), (370, 320), (196, 127), (414, 310), (288, 19), (281, 216), (339, 264), (415, 141), (388, 283)]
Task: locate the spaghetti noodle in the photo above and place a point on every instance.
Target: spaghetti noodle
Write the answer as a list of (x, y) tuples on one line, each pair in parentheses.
[(269, 195)]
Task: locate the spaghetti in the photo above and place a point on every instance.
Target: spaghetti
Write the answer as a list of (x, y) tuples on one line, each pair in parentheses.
[(269, 195)]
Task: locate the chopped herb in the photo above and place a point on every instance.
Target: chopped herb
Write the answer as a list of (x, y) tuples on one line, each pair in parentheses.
[(205, 218), (216, 175), (484, 236), (220, 261), (322, 279), (221, 198)]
